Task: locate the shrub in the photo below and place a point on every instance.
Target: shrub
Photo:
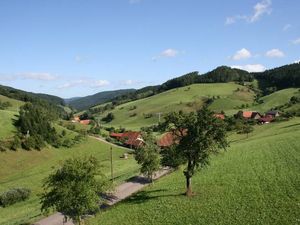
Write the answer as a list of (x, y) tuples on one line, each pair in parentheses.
[(16, 143), (14, 195)]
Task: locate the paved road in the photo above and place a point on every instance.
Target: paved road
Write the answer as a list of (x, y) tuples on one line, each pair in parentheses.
[(121, 192)]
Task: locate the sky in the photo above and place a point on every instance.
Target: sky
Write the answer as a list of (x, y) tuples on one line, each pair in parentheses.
[(73, 48)]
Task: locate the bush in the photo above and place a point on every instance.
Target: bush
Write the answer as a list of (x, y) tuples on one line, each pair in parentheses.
[(14, 195), (16, 143)]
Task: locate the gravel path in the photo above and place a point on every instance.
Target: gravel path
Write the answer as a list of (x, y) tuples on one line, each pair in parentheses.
[(121, 192)]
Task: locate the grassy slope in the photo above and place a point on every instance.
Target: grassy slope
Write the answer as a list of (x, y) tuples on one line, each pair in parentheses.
[(276, 99), (7, 116), (28, 169), (177, 99), (256, 181)]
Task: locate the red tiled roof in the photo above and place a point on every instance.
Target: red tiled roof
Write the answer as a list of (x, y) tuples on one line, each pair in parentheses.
[(220, 116), (117, 135), (85, 122), (247, 114), (166, 140), (170, 138)]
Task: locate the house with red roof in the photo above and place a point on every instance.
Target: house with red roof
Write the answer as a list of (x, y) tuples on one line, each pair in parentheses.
[(170, 138), (249, 115), (130, 139), (85, 122), (219, 116)]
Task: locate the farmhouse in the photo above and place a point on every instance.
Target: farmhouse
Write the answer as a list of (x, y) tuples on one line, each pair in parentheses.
[(219, 116), (170, 138), (85, 122), (131, 139), (273, 113), (249, 115), (265, 119)]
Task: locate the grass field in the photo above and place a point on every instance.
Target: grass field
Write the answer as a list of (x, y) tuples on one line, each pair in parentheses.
[(29, 168), (186, 98), (15, 103), (276, 99), (257, 181)]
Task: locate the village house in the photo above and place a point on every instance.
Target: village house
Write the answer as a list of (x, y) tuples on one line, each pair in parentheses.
[(273, 113), (85, 122), (219, 116), (131, 139), (250, 115), (170, 138)]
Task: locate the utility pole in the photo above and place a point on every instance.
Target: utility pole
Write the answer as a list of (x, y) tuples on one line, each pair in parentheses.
[(111, 165)]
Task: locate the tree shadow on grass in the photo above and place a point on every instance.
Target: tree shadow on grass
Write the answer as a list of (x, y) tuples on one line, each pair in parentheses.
[(144, 196), (292, 125)]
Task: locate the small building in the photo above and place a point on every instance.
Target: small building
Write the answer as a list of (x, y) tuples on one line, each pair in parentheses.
[(170, 138), (219, 116), (265, 120), (85, 122), (273, 113), (130, 139), (249, 115)]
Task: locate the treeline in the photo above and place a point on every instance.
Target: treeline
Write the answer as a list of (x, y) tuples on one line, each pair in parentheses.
[(279, 78), (221, 74), (28, 96)]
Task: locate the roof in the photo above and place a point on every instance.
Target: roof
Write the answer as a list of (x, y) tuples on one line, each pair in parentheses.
[(166, 140), (265, 119), (119, 135), (219, 115), (132, 138), (129, 137), (247, 114), (170, 138), (250, 114), (85, 122), (273, 112)]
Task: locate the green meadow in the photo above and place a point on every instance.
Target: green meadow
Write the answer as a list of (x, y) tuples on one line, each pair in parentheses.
[(256, 181), (131, 115)]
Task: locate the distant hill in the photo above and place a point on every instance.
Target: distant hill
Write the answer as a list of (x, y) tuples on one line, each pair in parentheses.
[(96, 99), (29, 96)]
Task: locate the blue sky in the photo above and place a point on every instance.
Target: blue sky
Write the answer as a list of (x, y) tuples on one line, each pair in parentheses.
[(79, 47)]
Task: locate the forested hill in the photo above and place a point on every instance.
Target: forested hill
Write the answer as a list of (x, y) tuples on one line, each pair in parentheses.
[(99, 98), (279, 78), (29, 96), (269, 80)]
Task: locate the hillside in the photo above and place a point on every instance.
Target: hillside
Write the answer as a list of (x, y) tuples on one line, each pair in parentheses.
[(99, 98), (255, 182), (29, 96), (7, 116), (132, 115)]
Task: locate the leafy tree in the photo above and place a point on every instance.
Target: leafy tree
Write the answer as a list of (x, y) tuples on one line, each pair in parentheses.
[(147, 155), (246, 129), (74, 188), (110, 116), (199, 135)]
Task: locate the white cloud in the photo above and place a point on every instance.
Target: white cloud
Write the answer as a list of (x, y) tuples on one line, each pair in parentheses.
[(84, 82), (37, 76), (296, 41), (99, 83), (251, 67), (29, 76), (260, 9), (242, 54), (286, 27), (168, 53), (297, 61), (275, 53)]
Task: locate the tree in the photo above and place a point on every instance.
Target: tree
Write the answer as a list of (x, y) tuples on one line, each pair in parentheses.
[(110, 116), (246, 129), (147, 155), (199, 135), (74, 188)]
